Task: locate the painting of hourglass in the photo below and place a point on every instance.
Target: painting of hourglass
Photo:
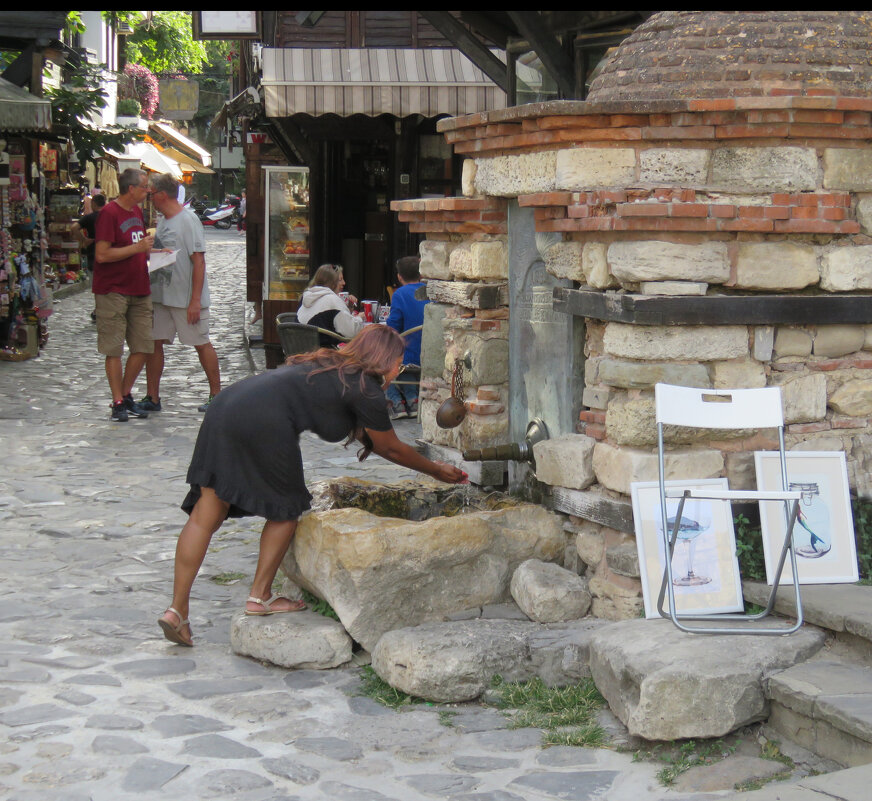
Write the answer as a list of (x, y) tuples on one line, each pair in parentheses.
[(823, 535), (705, 571)]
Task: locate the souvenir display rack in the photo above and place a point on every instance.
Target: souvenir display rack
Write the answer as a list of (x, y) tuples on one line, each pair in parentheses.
[(25, 302)]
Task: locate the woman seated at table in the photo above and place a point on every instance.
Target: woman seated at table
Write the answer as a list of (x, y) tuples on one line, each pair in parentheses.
[(321, 306)]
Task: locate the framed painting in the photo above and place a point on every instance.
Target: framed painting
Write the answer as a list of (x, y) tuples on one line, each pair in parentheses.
[(705, 569), (826, 552)]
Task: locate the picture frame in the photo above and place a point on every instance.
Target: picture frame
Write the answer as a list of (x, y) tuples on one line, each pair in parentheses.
[(706, 577), (826, 551)]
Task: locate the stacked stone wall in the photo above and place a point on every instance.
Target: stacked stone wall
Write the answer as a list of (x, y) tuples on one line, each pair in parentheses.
[(725, 196)]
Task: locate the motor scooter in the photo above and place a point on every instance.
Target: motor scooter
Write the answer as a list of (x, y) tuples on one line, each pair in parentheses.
[(220, 216)]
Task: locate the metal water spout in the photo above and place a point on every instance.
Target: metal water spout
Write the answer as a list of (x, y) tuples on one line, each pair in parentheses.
[(512, 451)]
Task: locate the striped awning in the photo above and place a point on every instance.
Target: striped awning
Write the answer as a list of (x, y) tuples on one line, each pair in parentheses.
[(374, 81)]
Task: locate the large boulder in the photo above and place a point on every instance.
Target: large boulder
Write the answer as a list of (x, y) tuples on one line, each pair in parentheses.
[(456, 661), (664, 684), (381, 573), (548, 593), (302, 640)]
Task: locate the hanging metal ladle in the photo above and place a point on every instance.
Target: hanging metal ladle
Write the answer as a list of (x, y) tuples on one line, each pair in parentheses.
[(452, 412)]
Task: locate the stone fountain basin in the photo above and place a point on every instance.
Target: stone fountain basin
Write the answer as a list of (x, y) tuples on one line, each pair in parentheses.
[(384, 572)]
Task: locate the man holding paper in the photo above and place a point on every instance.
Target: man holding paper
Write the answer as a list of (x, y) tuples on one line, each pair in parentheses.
[(179, 290), (122, 292)]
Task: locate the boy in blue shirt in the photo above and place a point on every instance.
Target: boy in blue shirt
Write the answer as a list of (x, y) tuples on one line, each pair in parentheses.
[(407, 312)]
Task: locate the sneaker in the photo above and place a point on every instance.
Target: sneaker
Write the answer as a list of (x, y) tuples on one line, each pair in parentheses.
[(133, 408), (149, 405), (119, 412), (203, 406), (397, 411), (412, 407)]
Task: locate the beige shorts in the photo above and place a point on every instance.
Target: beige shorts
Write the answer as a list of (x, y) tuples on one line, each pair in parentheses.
[(120, 318), (170, 320)]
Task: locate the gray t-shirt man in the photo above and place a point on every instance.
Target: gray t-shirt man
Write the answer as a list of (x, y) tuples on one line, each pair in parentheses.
[(171, 286)]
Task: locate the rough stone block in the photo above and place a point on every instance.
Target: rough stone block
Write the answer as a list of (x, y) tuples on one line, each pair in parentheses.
[(617, 468), (664, 684), (435, 255), (590, 543), (563, 260), (662, 261), (595, 167), (744, 374), (776, 265), (301, 640), (853, 398), (673, 288), (490, 361), (467, 178), (740, 471), (864, 215), (547, 593), (614, 601), (565, 461), (682, 166), (631, 421), (684, 342), (764, 169), (510, 176), (480, 261), (383, 573), (618, 373), (804, 397), (623, 559), (595, 266), (792, 342), (838, 340), (456, 661), (847, 168), (764, 342), (596, 397), (846, 269)]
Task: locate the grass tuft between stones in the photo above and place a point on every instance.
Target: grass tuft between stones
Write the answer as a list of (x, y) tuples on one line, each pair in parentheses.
[(227, 578), (373, 686), (319, 605), (567, 714)]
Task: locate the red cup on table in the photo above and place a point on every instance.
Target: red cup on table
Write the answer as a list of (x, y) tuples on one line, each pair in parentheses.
[(370, 310)]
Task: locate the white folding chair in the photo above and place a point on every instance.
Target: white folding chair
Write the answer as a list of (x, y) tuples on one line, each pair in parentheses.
[(723, 409)]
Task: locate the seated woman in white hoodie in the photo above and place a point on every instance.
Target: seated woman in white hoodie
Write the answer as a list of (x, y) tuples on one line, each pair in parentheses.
[(321, 306)]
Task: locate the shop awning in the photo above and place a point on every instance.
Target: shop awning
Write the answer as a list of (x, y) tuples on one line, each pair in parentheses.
[(374, 81), (186, 162), (146, 156), (22, 111), (180, 142)]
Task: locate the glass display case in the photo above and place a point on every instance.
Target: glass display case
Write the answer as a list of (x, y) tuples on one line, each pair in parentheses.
[(287, 232)]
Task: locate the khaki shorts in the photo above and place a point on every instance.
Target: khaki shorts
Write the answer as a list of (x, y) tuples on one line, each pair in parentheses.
[(120, 318), (170, 320)]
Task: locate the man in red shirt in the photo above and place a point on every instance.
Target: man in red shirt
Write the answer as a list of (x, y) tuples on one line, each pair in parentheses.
[(122, 290)]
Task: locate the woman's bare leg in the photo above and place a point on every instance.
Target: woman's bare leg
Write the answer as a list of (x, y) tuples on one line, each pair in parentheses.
[(206, 518), (274, 542)]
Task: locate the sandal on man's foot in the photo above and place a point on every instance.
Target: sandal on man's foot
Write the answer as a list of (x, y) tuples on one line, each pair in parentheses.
[(296, 606), (174, 633)]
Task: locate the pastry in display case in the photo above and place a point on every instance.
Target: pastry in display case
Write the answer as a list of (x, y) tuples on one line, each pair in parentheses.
[(287, 232)]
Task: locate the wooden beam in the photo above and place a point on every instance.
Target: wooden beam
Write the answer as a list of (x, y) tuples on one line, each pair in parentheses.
[(20, 70), (594, 506), (714, 309), (548, 49), (467, 44)]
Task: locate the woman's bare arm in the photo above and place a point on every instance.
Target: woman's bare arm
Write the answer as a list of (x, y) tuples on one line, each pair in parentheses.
[(389, 446)]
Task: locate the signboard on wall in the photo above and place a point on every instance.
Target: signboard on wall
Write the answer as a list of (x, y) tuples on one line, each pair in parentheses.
[(179, 99)]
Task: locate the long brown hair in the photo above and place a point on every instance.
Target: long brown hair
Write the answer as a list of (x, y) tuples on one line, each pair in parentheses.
[(372, 352)]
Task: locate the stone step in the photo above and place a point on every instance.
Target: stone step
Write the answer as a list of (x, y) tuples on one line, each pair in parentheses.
[(844, 609), (826, 707), (845, 785)]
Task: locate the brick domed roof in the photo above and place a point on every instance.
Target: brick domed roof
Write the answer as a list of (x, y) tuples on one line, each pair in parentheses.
[(702, 54)]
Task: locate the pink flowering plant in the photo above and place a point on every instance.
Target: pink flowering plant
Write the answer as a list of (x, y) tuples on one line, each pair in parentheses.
[(139, 83)]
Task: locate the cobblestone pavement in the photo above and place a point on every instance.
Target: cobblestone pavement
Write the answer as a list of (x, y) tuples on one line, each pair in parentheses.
[(96, 704)]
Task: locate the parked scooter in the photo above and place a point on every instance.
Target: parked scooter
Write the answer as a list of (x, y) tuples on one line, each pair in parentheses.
[(220, 216)]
